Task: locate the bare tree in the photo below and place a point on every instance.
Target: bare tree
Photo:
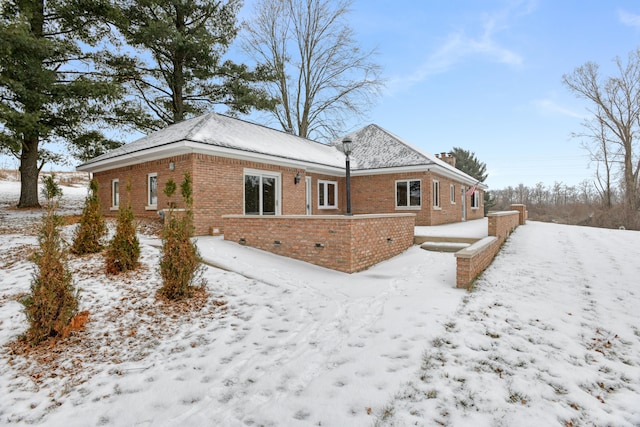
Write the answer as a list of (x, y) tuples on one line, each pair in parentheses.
[(322, 76), (617, 111), (597, 140)]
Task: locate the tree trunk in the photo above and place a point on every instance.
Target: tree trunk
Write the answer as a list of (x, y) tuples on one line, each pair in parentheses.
[(177, 85), (29, 174)]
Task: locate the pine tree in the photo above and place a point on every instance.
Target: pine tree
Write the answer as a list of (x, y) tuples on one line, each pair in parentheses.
[(53, 301), (124, 249), (180, 260), (172, 65), (92, 227), (48, 93), (467, 162)]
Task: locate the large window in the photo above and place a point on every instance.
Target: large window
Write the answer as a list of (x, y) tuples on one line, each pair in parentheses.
[(327, 194), (408, 194), (152, 190), (261, 193), (115, 194), (436, 194)]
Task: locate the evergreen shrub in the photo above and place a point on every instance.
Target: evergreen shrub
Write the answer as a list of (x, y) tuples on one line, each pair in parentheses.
[(124, 248), (180, 261), (53, 300), (92, 227)]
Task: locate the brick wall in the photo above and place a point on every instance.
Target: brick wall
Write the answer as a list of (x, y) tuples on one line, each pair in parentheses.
[(522, 212), (135, 178), (343, 243), (472, 261), (373, 194), (219, 190)]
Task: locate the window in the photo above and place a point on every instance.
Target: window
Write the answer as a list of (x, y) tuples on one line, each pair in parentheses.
[(152, 190), (436, 194), (475, 200), (327, 194), (408, 194), (452, 193), (261, 193), (115, 193)]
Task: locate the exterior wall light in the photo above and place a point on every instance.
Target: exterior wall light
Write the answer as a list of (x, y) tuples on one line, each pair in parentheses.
[(297, 178), (172, 166)]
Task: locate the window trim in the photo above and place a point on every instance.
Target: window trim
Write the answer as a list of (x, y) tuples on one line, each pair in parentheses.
[(435, 195), (151, 206), (262, 174), (408, 206), (115, 195), (325, 193), (475, 200)]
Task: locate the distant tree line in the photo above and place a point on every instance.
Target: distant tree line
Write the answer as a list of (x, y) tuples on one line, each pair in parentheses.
[(581, 204)]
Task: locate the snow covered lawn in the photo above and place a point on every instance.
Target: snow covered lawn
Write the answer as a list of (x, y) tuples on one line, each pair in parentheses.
[(549, 336)]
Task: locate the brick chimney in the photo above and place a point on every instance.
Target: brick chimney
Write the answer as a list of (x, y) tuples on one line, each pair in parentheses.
[(447, 158)]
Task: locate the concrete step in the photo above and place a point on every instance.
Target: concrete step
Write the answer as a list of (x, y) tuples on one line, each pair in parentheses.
[(444, 246), (418, 240)]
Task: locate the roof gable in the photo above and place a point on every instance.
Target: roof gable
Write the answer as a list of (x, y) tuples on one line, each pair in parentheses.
[(374, 148)]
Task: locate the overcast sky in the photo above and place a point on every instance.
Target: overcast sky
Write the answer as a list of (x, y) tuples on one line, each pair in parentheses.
[(486, 76)]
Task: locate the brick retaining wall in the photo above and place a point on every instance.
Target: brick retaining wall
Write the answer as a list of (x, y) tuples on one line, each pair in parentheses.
[(340, 242), (472, 261)]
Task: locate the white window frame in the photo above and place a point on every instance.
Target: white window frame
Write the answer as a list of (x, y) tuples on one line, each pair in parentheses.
[(262, 174), (150, 205), (115, 194), (436, 194), (452, 193), (475, 200), (408, 205), (324, 184)]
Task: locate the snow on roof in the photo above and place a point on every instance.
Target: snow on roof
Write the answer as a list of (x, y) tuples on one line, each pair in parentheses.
[(373, 146), (377, 148), (218, 130)]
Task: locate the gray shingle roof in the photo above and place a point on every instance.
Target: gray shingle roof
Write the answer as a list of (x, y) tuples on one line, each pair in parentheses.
[(217, 130), (376, 148), (373, 146)]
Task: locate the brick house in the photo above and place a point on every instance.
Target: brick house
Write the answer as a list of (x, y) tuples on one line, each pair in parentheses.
[(240, 168)]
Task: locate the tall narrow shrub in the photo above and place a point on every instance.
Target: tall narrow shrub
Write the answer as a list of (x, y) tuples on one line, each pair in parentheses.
[(180, 260), (53, 300), (92, 227), (124, 249)]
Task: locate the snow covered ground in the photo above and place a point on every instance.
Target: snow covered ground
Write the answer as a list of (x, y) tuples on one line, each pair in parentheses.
[(549, 336)]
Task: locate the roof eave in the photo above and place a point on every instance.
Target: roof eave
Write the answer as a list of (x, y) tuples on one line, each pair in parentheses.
[(433, 167), (188, 147)]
